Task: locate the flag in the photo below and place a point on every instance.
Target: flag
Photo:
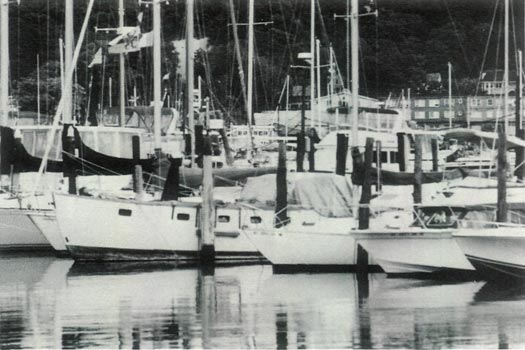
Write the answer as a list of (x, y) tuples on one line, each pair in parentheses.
[(130, 41), (146, 40), (97, 59)]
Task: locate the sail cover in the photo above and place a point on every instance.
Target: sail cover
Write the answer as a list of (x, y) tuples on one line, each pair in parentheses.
[(328, 194)]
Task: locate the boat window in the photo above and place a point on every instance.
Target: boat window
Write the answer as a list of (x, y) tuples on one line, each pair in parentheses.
[(223, 218), (393, 157), (255, 219), (124, 212), (384, 157), (183, 216), (437, 218)]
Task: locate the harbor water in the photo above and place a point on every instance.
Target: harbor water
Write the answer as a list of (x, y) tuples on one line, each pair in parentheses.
[(48, 302)]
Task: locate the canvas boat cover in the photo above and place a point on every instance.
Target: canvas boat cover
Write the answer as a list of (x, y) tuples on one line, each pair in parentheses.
[(328, 194)]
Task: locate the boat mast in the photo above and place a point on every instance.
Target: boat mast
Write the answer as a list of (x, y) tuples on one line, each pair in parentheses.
[(122, 74), (250, 61), (354, 17), (449, 95), (506, 69), (4, 62), (157, 96), (189, 77), (312, 62), (347, 19), (318, 86), (67, 115)]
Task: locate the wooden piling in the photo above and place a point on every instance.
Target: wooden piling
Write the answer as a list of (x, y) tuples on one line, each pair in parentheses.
[(418, 169), (138, 181), (401, 151), (379, 165), (311, 154), (301, 146), (435, 153), (15, 167), (366, 191), (207, 241), (69, 164), (501, 211), (341, 154), (281, 201)]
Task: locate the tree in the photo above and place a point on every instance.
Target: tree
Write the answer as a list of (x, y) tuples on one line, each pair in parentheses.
[(50, 90)]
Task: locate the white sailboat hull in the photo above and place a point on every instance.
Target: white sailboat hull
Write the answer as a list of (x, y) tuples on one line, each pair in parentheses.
[(48, 226), (414, 251), (297, 250), (110, 229), (494, 252), (19, 232)]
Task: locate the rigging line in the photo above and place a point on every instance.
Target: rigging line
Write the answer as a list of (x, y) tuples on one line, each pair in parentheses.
[(324, 32), (486, 48), (89, 164), (463, 51)]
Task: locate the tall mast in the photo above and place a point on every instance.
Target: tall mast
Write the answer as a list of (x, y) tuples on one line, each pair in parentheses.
[(449, 95), (347, 44), (67, 116), (189, 76), (506, 69), (318, 71), (122, 75), (355, 72), (157, 97), (312, 62), (4, 62), (250, 60)]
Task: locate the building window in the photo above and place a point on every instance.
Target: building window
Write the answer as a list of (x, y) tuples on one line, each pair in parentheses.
[(419, 103), (489, 102), (433, 103), (419, 115)]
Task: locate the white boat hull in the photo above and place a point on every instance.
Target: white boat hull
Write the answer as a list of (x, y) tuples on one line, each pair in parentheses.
[(46, 222), (110, 229), (414, 251), (295, 250), (19, 232), (494, 252)]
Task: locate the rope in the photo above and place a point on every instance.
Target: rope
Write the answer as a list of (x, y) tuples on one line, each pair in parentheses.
[(83, 161)]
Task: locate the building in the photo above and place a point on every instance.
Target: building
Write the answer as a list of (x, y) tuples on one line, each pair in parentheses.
[(479, 112), (434, 112)]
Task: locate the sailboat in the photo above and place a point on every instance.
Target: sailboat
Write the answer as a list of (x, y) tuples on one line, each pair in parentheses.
[(114, 229)]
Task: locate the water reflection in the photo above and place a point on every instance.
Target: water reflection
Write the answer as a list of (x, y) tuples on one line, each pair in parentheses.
[(53, 303)]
